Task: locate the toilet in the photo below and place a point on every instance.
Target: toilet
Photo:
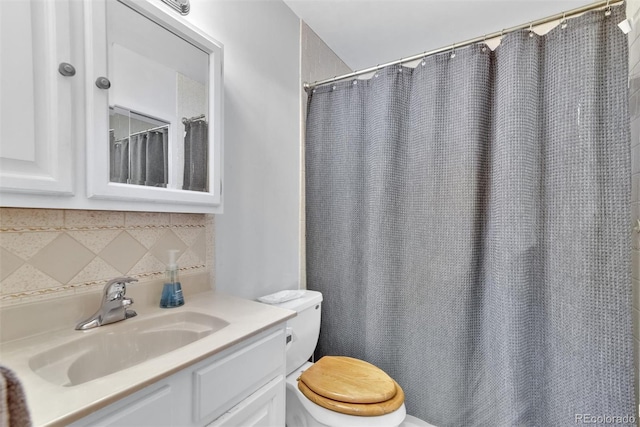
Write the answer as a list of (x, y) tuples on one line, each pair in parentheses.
[(358, 393)]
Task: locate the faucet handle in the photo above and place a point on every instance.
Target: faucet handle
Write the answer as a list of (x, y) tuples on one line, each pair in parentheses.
[(115, 289)]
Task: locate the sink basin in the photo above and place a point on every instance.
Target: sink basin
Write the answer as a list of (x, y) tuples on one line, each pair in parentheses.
[(112, 348)]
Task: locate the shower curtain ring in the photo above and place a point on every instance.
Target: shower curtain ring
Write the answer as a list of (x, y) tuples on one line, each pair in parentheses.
[(608, 11), (453, 52), (530, 29), (563, 23)]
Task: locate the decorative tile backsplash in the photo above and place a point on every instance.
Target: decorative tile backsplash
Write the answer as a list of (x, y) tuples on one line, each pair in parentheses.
[(47, 252)]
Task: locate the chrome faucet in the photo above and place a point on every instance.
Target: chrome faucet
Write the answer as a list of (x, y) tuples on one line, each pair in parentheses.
[(114, 305)]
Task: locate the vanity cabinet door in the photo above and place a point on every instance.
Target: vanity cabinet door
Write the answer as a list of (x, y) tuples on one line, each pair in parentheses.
[(36, 147), (222, 384), (264, 408)]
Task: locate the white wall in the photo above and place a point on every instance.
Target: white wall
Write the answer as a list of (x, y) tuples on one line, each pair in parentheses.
[(257, 237)]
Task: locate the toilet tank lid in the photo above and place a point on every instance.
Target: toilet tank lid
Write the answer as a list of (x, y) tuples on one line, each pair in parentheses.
[(307, 300)]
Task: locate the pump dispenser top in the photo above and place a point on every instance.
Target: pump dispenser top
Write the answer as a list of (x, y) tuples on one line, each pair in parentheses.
[(172, 290), (172, 267)]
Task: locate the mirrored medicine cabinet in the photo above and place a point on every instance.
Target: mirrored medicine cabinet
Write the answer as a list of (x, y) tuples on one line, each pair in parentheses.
[(156, 96), (109, 105)]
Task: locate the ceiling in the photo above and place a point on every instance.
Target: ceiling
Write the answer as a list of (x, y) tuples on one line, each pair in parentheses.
[(365, 33)]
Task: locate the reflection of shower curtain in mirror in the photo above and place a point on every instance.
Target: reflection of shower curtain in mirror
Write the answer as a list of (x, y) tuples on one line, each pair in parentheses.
[(119, 159), (195, 155), (157, 158), (138, 155), (141, 159)]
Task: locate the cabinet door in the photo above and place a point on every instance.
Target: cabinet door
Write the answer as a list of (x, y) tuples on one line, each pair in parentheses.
[(220, 385), (264, 408), (154, 107), (36, 150)]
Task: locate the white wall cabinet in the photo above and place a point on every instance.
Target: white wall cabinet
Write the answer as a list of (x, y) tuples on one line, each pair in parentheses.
[(36, 116), (57, 132), (241, 386)]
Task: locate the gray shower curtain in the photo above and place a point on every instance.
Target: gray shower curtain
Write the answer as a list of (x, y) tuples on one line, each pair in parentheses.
[(468, 223), (149, 155), (118, 159), (157, 158), (137, 158), (196, 155)]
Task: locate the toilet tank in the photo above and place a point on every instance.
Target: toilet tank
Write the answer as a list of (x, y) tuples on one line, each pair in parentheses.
[(304, 329)]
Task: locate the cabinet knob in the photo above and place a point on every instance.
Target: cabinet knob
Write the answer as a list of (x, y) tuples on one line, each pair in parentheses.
[(103, 83), (66, 69)]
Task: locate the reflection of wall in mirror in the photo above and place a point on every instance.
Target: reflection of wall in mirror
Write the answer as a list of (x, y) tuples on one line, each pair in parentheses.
[(142, 85), (192, 102), (123, 126)]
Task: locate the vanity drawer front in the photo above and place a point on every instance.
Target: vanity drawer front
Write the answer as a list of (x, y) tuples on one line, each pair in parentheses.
[(225, 382), (154, 408)]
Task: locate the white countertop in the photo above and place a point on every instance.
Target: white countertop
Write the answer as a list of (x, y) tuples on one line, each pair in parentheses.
[(52, 405)]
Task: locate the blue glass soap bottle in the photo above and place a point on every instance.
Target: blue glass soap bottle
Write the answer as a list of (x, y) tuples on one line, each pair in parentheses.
[(172, 290)]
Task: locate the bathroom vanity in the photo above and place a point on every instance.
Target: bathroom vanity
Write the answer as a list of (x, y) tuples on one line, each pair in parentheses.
[(240, 386), (218, 360)]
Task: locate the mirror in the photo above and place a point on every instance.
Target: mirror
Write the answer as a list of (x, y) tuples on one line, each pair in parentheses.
[(159, 86), (147, 62)]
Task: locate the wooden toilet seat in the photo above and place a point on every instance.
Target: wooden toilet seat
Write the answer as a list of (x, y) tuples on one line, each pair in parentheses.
[(351, 386)]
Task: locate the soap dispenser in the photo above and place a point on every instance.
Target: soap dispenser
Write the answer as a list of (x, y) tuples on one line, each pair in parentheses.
[(172, 291)]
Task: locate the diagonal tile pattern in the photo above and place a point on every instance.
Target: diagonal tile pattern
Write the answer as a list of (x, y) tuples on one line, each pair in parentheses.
[(8, 263), (25, 245), (199, 248), (146, 264), (62, 259), (147, 236), (188, 235), (96, 270), (168, 241), (46, 253), (27, 278), (123, 252), (95, 241)]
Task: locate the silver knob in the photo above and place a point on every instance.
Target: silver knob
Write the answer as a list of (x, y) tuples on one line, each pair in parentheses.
[(103, 83), (67, 69)]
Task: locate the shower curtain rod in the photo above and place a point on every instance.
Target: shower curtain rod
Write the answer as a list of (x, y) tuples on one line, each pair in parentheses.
[(142, 131), (200, 118), (150, 130), (563, 16)]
